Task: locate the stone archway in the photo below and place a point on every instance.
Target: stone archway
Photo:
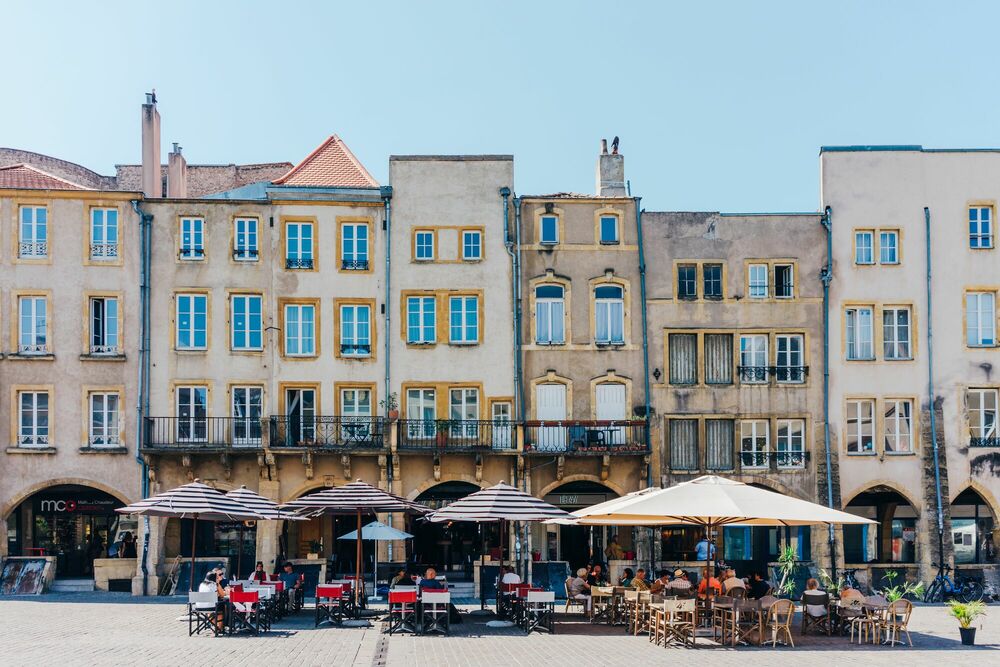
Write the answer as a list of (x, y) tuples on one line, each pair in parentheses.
[(26, 493)]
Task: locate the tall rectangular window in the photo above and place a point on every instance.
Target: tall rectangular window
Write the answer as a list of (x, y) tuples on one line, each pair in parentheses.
[(464, 319), (719, 435), (104, 325), (33, 419), (33, 325), (754, 439), (791, 443), (753, 358), (192, 414), (104, 430), (192, 322), (421, 412), (247, 409), (684, 444), (712, 281), (896, 332), (863, 250), (463, 406), (192, 246), (789, 362), (758, 281), (980, 319), (245, 246), (300, 329), (299, 245), (33, 233), (549, 233), (420, 320), (898, 426), (423, 242), (687, 282), (888, 247), (472, 245), (859, 333), (247, 326), (982, 408), (550, 311), (609, 229), (683, 349), (355, 330), (718, 358), (784, 281), (354, 247), (861, 426), (609, 311), (980, 226), (103, 234)]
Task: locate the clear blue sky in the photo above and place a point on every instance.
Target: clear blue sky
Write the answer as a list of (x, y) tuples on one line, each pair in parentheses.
[(719, 105)]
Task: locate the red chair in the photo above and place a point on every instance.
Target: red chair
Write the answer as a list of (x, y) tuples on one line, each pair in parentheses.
[(329, 603), (244, 612), (273, 577), (236, 587), (348, 597), (403, 611)]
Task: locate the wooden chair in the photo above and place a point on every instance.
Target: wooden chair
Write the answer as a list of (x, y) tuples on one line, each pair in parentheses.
[(779, 621), (672, 623), (737, 593), (721, 611), (812, 620), (868, 622), (629, 602), (572, 601), (641, 614), (601, 598), (896, 620)]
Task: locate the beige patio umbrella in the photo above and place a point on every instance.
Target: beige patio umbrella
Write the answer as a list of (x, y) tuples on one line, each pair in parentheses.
[(711, 501)]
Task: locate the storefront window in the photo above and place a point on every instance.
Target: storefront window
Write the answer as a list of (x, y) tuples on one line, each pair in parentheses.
[(973, 540), (904, 540)]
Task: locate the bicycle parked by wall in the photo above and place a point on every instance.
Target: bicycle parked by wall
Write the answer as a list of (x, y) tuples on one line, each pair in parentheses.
[(963, 588)]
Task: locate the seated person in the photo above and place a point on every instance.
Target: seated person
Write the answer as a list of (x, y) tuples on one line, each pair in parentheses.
[(293, 584), (210, 584), (259, 575), (639, 582), (626, 578), (660, 583), (220, 576), (402, 578), (731, 581), (815, 610), (508, 575), (614, 550), (430, 582), (708, 581), (578, 588), (597, 576), (759, 586), (680, 583)]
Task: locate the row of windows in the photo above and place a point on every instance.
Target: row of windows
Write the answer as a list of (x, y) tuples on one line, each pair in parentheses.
[(757, 364), (103, 419), (550, 314), (608, 230), (859, 328), (895, 425), (425, 245), (709, 443), (33, 234), (104, 321), (706, 280), (887, 252)]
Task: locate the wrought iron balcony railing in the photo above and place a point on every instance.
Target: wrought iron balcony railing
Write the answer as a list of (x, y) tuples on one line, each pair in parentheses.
[(783, 374), (355, 350), (192, 253), (33, 348), (354, 264), (342, 432), (103, 350), (767, 460), (103, 251), (202, 432), (585, 437), (457, 435), (245, 254), (984, 442), (299, 263), (33, 249)]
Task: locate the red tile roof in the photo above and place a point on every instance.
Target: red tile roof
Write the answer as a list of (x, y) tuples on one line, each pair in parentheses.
[(331, 165), (26, 177)]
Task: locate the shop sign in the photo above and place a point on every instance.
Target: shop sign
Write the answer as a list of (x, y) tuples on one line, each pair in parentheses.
[(75, 505), (575, 499)]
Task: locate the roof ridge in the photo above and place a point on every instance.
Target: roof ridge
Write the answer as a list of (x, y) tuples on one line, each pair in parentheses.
[(25, 165), (336, 150), (355, 160)]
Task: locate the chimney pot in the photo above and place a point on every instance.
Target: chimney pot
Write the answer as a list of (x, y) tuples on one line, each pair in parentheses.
[(152, 178), (604, 146), (610, 173)]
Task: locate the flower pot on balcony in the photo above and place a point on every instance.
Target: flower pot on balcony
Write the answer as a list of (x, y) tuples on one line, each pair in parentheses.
[(968, 636), (442, 438), (393, 415)]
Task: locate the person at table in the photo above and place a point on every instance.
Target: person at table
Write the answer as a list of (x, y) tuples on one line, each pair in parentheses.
[(703, 549), (127, 549), (402, 578), (639, 582), (627, 576), (614, 550), (430, 582), (508, 575), (292, 581), (731, 581), (680, 583), (220, 576), (708, 581), (259, 575), (660, 583), (759, 586), (210, 584), (579, 589), (597, 576), (815, 610)]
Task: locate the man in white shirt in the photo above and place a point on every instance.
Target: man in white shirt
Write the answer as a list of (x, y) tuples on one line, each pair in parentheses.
[(732, 581), (508, 576)]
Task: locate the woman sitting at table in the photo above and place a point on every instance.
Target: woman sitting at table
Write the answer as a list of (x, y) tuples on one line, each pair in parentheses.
[(402, 578), (211, 585), (259, 575), (815, 610), (578, 588), (706, 581), (626, 578)]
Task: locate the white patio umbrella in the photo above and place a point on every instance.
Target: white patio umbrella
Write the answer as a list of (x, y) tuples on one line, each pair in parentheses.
[(267, 508), (711, 501), (376, 531)]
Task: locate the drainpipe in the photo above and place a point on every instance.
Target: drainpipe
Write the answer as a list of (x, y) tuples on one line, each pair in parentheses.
[(142, 400), (826, 277), (645, 334), (386, 192), (518, 368), (930, 392)]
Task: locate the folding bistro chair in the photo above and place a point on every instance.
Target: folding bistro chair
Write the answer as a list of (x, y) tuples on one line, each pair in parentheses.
[(402, 611), (202, 613), (329, 604), (244, 612), (347, 597), (570, 600), (435, 612), (505, 600), (810, 617), (268, 605), (600, 603), (539, 611)]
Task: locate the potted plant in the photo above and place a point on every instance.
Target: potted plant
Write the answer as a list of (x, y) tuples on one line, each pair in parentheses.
[(905, 589), (787, 564), (391, 405), (966, 613), (443, 428), (314, 548)]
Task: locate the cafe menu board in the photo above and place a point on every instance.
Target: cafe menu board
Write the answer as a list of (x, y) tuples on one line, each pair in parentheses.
[(23, 576)]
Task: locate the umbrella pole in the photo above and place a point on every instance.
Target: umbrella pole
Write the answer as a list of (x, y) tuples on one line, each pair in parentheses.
[(708, 562), (482, 568), (357, 569), (239, 554), (194, 542)]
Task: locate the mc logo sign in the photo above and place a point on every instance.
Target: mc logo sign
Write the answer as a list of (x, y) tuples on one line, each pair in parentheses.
[(58, 506)]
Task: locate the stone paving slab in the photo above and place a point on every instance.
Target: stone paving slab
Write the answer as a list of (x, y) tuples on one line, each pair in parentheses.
[(101, 628)]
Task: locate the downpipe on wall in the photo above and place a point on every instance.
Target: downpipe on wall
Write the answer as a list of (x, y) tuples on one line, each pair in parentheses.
[(386, 192), (645, 363), (826, 277), (142, 402), (931, 399)]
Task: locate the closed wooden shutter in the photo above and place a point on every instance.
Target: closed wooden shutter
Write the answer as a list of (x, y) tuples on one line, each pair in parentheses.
[(719, 444), (683, 358), (718, 358), (684, 444)]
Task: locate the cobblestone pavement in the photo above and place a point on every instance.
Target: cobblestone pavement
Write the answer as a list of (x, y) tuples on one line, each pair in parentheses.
[(100, 629)]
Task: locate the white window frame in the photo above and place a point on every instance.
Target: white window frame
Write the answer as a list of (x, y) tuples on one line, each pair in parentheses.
[(423, 245), (247, 429), (192, 239), (609, 309), (548, 305), (864, 247), (36, 434), (105, 328), (246, 246), (32, 326), (33, 232), (685, 283), (898, 426), (354, 251), (758, 455), (192, 313), (789, 359), (108, 434), (791, 445), (981, 327), (421, 413), (426, 307), (352, 334), (305, 344), (104, 234), (616, 237), (884, 247), (753, 354), (896, 337), (241, 340), (548, 239), (856, 426), (464, 306), (758, 281), (463, 406), (472, 245), (791, 281), (980, 227), (855, 333), (197, 424), (989, 403), (299, 248)]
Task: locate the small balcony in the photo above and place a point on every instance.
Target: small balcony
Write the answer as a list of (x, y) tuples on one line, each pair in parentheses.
[(456, 435), (355, 349), (354, 264), (245, 254), (202, 434), (783, 374), (583, 438), (103, 251), (750, 461), (328, 433), (192, 254), (299, 263), (33, 249), (984, 442)]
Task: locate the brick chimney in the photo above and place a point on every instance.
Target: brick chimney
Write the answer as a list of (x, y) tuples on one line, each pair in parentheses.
[(610, 171), (152, 180), (177, 180)]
